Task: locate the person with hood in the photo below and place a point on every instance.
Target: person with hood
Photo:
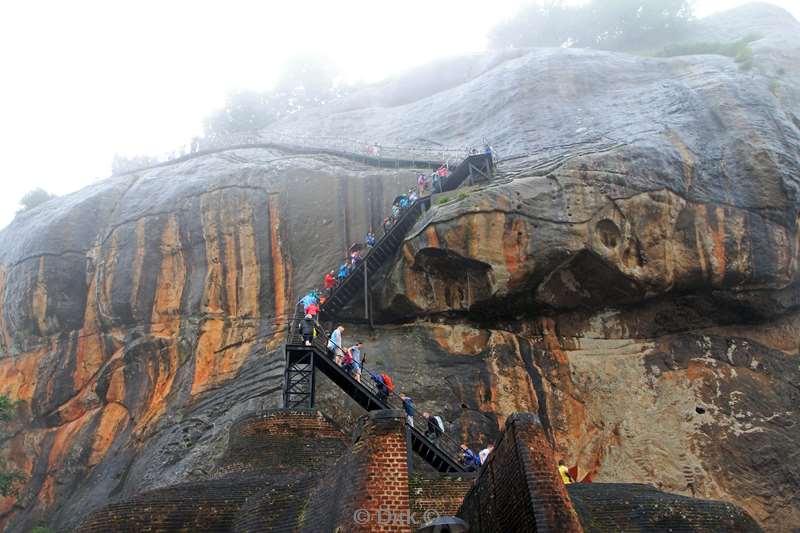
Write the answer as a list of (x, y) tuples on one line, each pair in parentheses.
[(307, 300), (312, 310), (330, 282), (435, 426), (468, 458), (381, 389), (343, 271), (308, 329)]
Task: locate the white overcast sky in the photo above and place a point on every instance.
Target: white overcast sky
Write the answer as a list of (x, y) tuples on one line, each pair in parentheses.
[(83, 80)]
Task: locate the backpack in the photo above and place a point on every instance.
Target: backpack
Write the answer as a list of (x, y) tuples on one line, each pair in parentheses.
[(438, 420), (388, 382), (348, 358)]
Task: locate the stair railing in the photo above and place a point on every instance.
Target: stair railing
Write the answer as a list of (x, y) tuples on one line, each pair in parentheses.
[(443, 442), (400, 223)]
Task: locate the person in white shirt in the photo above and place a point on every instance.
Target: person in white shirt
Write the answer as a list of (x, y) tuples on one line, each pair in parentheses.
[(335, 345), (484, 453)]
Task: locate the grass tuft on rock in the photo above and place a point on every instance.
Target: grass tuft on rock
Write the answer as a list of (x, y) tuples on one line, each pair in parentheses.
[(740, 50)]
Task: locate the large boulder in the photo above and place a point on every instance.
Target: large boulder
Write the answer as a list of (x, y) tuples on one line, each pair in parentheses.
[(631, 276)]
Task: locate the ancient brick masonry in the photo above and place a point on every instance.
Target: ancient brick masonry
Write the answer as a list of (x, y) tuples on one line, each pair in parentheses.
[(436, 494), (290, 470), (518, 488), (261, 483), (632, 507), (368, 489)]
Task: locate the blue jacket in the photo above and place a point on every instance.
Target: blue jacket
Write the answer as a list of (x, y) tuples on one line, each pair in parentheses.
[(408, 405), (379, 383), (470, 458)]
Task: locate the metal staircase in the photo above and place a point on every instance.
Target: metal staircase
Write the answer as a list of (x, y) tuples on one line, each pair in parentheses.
[(441, 453), (377, 256), (473, 168)]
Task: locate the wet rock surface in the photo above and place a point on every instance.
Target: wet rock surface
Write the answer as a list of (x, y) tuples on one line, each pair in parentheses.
[(631, 277)]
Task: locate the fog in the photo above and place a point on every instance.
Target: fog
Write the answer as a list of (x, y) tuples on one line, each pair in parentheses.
[(83, 80)]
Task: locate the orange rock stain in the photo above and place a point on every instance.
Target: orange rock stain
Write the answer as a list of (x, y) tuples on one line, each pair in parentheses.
[(112, 420)]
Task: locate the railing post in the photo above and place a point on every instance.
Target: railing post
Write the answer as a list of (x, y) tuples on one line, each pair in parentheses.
[(366, 290)]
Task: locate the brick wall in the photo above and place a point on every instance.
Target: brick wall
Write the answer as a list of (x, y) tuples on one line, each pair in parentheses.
[(261, 483), (282, 440), (519, 488), (437, 494), (635, 507), (367, 489)]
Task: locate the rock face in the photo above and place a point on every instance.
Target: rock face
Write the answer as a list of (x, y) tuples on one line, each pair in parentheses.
[(632, 277)]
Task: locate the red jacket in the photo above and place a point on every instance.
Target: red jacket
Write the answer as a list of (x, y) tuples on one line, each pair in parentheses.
[(312, 310), (330, 281)]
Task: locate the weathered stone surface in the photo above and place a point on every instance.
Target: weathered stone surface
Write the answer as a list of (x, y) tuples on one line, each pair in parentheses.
[(631, 278), (142, 315)]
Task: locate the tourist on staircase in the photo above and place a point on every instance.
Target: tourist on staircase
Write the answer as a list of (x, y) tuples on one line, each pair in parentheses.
[(307, 300), (421, 185), (330, 282), (408, 405), (566, 477), (468, 459), (435, 426), (370, 239), (335, 345), (441, 173), (484, 453), (312, 310), (347, 362), (308, 329), (343, 270), (356, 360), (355, 259), (436, 185), (381, 391)]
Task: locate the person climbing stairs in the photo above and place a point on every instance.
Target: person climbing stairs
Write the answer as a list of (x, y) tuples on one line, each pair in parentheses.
[(302, 360)]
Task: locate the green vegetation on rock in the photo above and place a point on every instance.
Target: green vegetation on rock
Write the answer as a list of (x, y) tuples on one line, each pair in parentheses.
[(739, 50), (34, 198), (9, 478), (601, 24)]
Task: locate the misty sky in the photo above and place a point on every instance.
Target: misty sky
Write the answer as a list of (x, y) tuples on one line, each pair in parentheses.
[(83, 80)]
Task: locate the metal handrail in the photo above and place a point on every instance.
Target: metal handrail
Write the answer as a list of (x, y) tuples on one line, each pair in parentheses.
[(444, 441), (354, 147), (363, 263)]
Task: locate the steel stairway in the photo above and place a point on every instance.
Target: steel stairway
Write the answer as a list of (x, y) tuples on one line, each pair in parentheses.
[(474, 167), (441, 453), (377, 256)]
